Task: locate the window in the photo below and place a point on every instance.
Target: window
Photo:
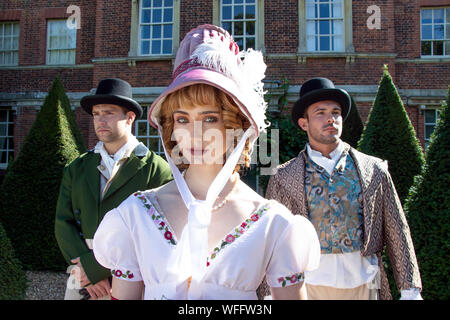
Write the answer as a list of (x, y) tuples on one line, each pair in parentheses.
[(9, 43), (324, 25), (148, 135), (239, 18), (61, 43), (325, 28), (156, 27), (6, 137), (150, 39), (243, 19), (431, 119), (435, 32)]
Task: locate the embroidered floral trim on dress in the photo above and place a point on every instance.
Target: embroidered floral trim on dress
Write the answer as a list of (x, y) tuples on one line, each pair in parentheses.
[(237, 232), (158, 219), (120, 274), (295, 278)]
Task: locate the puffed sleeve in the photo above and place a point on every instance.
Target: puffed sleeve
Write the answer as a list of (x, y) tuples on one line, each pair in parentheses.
[(114, 248), (297, 250)]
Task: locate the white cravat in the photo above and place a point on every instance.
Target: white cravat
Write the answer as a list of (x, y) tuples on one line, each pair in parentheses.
[(123, 152), (111, 163), (327, 163), (189, 256)]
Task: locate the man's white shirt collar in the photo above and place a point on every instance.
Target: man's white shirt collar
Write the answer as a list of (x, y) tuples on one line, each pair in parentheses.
[(327, 163), (123, 152)]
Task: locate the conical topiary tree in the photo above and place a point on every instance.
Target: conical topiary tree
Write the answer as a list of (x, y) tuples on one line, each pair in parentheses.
[(12, 278), (30, 190), (428, 212), (353, 126), (390, 135)]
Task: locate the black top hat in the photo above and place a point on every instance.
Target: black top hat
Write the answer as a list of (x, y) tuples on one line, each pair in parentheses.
[(112, 91), (320, 89)]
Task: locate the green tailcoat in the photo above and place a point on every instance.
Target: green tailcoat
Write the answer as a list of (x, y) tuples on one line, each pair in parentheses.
[(79, 210)]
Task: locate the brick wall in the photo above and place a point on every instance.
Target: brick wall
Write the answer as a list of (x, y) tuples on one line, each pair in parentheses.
[(144, 74), (112, 32), (105, 33), (367, 40), (194, 13), (40, 80), (281, 26), (407, 33), (363, 71), (423, 75)]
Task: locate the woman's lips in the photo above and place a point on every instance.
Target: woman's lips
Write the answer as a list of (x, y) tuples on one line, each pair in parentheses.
[(197, 152)]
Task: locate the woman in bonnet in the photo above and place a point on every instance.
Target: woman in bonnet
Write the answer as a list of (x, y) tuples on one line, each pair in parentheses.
[(207, 235)]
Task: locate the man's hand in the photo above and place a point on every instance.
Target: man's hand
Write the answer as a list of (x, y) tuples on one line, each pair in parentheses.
[(79, 273), (100, 289)]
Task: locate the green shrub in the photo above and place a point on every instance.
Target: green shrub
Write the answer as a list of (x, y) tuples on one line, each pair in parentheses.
[(389, 135), (30, 189), (292, 139), (352, 127), (428, 212), (12, 278)]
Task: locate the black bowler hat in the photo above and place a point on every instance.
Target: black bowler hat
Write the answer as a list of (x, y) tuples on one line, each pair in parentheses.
[(112, 91), (320, 89)]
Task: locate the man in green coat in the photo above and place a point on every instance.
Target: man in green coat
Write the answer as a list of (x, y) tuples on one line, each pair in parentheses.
[(100, 180)]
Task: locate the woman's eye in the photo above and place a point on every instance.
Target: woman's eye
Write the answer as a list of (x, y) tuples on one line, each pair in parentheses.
[(211, 119), (182, 120)]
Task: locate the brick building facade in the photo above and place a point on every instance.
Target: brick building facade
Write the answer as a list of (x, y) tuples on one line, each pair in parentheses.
[(136, 40)]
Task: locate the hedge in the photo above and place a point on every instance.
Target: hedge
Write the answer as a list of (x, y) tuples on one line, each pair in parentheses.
[(13, 282), (30, 189), (428, 212)]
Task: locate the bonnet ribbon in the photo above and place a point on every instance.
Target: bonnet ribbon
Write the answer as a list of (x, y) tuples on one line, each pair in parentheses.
[(190, 254)]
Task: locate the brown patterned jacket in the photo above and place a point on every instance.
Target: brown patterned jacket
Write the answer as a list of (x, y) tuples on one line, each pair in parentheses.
[(384, 220)]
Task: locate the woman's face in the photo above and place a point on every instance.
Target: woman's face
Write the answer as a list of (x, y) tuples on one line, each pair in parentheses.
[(199, 132)]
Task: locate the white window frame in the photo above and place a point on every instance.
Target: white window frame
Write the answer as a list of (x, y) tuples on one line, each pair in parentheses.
[(244, 20), (136, 40), (347, 30), (446, 38), (259, 21), (429, 124), (8, 135), (331, 21), (13, 39), (151, 133), (71, 48)]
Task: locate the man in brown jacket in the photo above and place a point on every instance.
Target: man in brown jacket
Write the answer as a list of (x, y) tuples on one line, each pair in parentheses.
[(350, 199)]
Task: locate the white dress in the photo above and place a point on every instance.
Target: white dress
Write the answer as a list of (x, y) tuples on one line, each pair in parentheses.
[(135, 242)]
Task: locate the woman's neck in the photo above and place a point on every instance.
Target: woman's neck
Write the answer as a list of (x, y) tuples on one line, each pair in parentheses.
[(200, 177)]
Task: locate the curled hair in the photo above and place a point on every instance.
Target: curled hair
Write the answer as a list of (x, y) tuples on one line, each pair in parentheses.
[(203, 95)]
